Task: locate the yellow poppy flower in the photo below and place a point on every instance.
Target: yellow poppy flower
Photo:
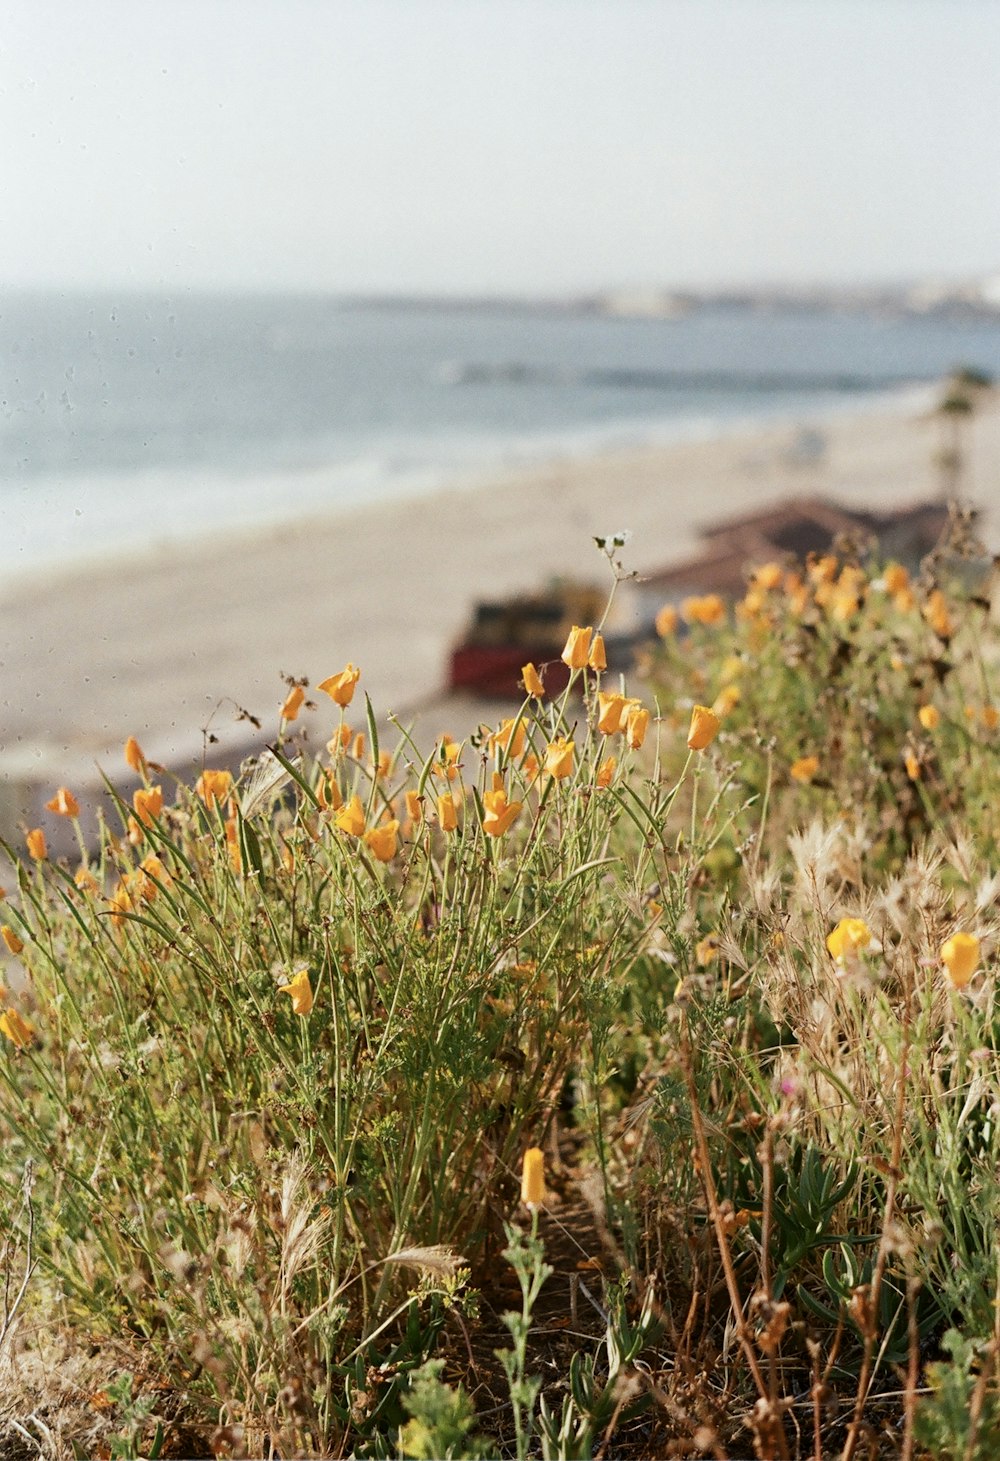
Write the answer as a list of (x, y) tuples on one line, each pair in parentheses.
[(340, 688), (414, 806), (666, 621), (848, 939), (929, 717), (134, 756), (16, 1028), (10, 938), (233, 846), (447, 812), (531, 680), (352, 818), (704, 728), (703, 609), (707, 949), (636, 726), (340, 740), (597, 659), (300, 990), (499, 814), (577, 648), (912, 764), (960, 956), (214, 786), (990, 717), (804, 769), (937, 615), (147, 802), (533, 1177), (292, 703), (559, 758), (769, 576), (328, 792), (85, 880), (606, 771), (896, 578), (384, 840), (64, 803), (510, 738), (446, 762), (36, 844), (155, 871), (611, 711), (358, 748)]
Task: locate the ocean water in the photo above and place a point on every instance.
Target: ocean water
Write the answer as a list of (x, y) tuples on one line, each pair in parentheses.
[(127, 421)]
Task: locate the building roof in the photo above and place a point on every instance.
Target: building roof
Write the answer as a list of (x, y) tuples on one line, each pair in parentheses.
[(795, 527)]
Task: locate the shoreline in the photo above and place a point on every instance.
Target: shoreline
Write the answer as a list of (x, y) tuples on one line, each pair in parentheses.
[(388, 482), (155, 645)]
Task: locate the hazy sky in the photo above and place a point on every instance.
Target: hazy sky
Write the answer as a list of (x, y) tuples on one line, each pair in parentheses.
[(497, 145)]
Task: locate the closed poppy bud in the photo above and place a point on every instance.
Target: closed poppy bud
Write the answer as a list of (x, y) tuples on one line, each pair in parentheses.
[(804, 769), (991, 717), (937, 615), (531, 680), (606, 771), (384, 841), (704, 728), (384, 765), (328, 792), (559, 758), (447, 812), (533, 1177), (147, 802), (498, 814), (233, 846), (414, 806), (597, 659), (300, 990), (134, 756), (960, 956), (666, 621), (64, 803), (896, 578), (510, 738), (929, 717), (214, 786), (848, 939), (340, 688), (293, 703), (905, 601), (912, 764), (358, 748), (611, 711), (577, 648), (636, 726), (340, 740), (530, 768), (352, 818), (36, 844), (10, 938), (16, 1028)]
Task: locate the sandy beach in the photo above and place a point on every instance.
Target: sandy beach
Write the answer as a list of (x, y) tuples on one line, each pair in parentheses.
[(164, 645)]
